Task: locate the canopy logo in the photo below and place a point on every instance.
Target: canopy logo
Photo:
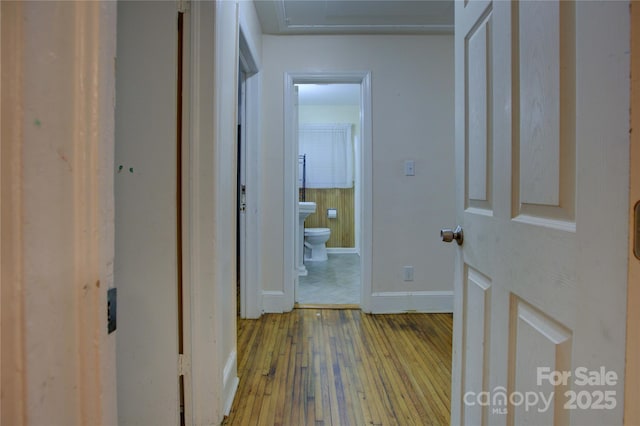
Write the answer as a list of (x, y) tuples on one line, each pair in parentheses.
[(498, 400), (577, 396)]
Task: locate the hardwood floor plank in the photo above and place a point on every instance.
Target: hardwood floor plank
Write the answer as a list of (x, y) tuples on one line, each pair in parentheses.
[(343, 367)]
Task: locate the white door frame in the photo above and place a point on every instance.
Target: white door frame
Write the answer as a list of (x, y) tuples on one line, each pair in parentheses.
[(250, 285), (364, 191), (56, 267)]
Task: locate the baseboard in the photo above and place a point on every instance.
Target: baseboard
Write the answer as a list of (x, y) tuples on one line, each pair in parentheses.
[(394, 302), (230, 381), (273, 302), (342, 250), (391, 302)]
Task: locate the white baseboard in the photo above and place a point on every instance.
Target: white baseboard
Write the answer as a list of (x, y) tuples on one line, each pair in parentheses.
[(230, 381), (394, 302), (342, 250), (273, 302)]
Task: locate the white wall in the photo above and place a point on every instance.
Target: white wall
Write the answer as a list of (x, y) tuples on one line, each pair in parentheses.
[(146, 214), (250, 26), (412, 104)]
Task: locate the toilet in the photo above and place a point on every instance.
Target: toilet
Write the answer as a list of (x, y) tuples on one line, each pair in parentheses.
[(314, 244)]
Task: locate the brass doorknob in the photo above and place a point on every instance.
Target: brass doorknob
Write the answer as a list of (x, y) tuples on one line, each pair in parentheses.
[(449, 235)]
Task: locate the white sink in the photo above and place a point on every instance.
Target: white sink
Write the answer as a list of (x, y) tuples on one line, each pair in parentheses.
[(305, 208)]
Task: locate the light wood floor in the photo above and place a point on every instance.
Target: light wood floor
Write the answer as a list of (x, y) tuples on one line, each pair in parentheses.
[(343, 367)]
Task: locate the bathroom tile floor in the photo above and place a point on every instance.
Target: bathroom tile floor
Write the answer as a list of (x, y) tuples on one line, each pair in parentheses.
[(336, 281)]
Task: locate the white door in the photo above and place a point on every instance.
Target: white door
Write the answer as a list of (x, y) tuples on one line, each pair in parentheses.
[(542, 174), (146, 214)]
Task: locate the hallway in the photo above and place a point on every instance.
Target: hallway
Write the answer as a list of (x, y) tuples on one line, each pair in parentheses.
[(343, 367)]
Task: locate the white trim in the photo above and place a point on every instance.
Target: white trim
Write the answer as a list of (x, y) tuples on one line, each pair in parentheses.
[(342, 250), (231, 381), (205, 214), (363, 190), (394, 302), (246, 56), (560, 225), (184, 360), (285, 27), (364, 193), (250, 285), (274, 302), (71, 100), (291, 210), (225, 98)]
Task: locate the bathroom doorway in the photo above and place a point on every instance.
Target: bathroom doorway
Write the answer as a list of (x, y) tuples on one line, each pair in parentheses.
[(328, 120), (328, 138)]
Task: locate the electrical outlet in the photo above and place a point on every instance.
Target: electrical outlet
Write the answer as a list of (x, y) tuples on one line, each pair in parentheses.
[(408, 273)]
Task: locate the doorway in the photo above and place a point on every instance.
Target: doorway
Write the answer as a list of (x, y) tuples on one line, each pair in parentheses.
[(328, 176), (295, 106)]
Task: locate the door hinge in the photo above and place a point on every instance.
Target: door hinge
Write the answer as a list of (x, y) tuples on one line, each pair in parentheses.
[(183, 365)]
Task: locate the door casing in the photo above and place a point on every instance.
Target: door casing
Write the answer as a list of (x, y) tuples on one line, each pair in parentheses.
[(363, 206), (250, 279)]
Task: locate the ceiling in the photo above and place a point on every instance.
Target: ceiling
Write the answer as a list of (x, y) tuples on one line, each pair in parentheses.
[(295, 17), (285, 17)]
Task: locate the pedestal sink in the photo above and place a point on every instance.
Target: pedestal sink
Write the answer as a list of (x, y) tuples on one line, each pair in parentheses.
[(305, 208)]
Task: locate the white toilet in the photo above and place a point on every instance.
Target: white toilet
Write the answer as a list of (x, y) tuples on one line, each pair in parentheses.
[(314, 244)]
